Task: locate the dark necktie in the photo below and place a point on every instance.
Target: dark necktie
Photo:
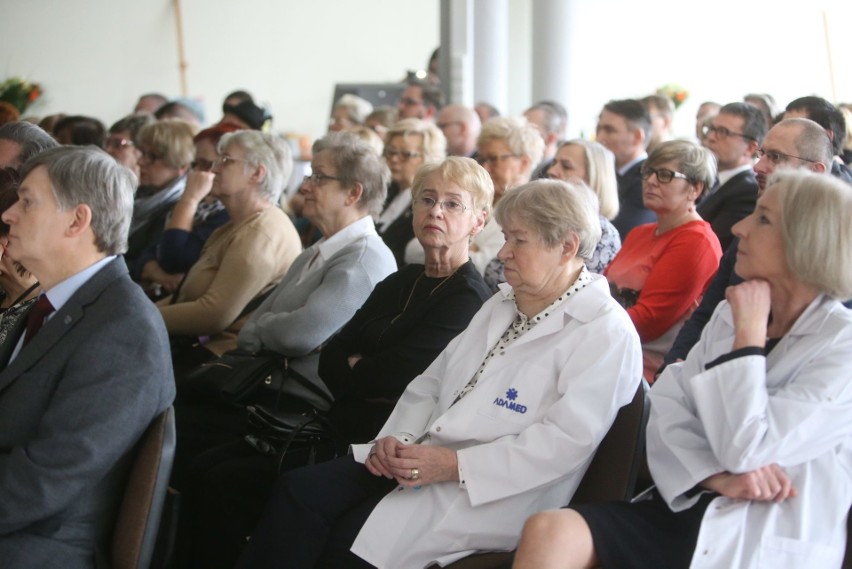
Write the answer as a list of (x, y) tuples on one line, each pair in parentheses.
[(36, 317)]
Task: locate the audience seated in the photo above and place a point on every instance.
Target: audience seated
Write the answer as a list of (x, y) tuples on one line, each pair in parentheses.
[(624, 128), (831, 119), (195, 216), (733, 136), (244, 257), (767, 105), (545, 118), (747, 436), (321, 291), (486, 111), (121, 140), (706, 111), (409, 144), (663, 268), (150, 103), (405, 323), (167, 150), (420, 100), (661, 111), (591, 163), (508, 148), (20, 141), (382, 119), (502, 424), (80, 390), (792, 143), (246, 114)]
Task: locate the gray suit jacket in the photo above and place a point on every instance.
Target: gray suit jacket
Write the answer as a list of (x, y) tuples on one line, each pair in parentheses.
[(72, 405)]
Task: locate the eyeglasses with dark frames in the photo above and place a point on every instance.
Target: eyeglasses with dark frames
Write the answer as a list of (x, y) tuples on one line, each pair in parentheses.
[(318, 179), (664, 175), (723, 132)]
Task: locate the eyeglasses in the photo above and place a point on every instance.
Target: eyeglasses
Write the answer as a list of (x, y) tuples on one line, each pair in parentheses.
[(454, 207), (118, 142), (152, 157), (495, 159), (401, 154), (779, 157), (224, 159), (664, 175), (202, 165), (318, 179), (409, 102), (723, 132), (443, 125)]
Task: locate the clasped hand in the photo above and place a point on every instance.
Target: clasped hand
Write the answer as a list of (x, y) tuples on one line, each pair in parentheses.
[(765, 484), (393, 459)]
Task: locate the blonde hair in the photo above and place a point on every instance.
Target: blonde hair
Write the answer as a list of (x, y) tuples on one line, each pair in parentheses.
[(522, 138), (172, 139), (600, 169), (816, 226), (434, 145), (466, 173)]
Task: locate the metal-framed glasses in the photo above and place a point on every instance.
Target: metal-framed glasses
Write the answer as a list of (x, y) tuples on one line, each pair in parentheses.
[(495, 159), (664, 175), (318, 179), (723, 132), (202, 165), (224, 159), (401, 154), (453, 207), (779, 157)]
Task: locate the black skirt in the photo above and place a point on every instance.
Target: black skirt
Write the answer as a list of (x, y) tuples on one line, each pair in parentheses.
[(645, 534)]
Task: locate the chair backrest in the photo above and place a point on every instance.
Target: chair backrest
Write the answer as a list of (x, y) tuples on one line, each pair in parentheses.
[(611, 475), (613, 471), (135, 532), (847, 559)]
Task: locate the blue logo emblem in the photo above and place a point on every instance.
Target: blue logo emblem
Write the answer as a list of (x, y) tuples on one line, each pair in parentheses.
[(509, 403)]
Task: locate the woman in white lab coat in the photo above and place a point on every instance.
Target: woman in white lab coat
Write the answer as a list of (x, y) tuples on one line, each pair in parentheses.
[(501, 425), (750, 439)]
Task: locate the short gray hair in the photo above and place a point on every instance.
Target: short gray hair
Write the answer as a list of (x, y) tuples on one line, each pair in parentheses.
[(466, 173), (696, 162), (88, 175), (357, 162), (554, 209), (132, 124), (434, 145), (271, 151), (522, 138), (811, 141), (31, 138), (357, 109), (816, 226)]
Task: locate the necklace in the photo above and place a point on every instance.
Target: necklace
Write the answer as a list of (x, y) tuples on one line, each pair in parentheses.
[(414, 287), (22, 297)]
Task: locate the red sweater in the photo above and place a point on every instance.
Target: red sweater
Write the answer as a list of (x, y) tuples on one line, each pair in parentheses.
[(670, 271)]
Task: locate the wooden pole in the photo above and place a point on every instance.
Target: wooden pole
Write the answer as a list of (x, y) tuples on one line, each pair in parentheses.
[(182, 65), (830, 61)]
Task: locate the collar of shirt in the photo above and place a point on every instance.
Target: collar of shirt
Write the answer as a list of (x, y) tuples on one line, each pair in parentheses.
[(523, 323), (726, 175), (623, 170), (324, 249), (398, 204), (63, 291)]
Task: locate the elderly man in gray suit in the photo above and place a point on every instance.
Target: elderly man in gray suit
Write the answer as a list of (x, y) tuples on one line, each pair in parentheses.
[(87, 375)]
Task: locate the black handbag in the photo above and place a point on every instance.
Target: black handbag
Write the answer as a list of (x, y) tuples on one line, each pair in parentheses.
[(274, 432), (233, 377)]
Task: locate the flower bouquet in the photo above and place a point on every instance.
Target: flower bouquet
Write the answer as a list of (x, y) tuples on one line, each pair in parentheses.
[(19, 93), (674, 92)]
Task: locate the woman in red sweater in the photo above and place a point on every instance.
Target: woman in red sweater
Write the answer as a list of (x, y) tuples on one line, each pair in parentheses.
[(662, 269)]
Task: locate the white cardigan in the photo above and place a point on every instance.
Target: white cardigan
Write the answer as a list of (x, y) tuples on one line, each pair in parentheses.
[(568, 377), (792, 408)]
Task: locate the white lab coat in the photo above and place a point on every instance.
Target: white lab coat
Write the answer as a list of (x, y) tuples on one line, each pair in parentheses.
[(793, 408), (571, 373)]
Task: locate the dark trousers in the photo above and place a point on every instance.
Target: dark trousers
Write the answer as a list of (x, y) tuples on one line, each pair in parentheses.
[(314, 516)]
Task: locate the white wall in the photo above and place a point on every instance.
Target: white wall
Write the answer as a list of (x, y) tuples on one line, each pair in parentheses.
[(96, 56)]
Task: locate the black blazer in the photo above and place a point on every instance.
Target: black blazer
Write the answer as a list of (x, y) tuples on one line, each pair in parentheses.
[(631, 208), (734, 200)]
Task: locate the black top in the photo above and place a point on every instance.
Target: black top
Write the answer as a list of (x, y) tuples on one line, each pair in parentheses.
[(402, 327), (631, 207), (734, 200)]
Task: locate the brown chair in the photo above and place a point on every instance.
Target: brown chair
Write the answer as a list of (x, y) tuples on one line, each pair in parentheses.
[(135, 534), (611, 475)]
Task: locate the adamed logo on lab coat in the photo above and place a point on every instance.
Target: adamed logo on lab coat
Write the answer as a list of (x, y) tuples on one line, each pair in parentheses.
[(509, 403)]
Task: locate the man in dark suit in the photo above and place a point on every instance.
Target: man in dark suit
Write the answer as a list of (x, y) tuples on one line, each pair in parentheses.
[(624, 127), (733, 136), (89, 373)]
